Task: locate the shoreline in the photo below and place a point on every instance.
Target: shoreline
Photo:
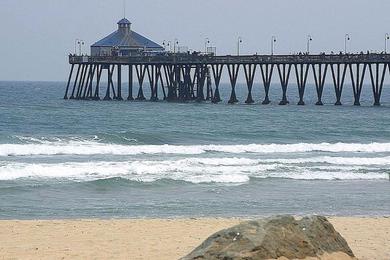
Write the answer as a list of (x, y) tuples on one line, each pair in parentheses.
[(168, 238)]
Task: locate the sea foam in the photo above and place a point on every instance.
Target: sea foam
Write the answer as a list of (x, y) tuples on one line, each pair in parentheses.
[(194, 170), (96, 148)]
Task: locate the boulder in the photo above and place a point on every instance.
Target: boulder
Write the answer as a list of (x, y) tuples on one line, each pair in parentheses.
[(281, 237)]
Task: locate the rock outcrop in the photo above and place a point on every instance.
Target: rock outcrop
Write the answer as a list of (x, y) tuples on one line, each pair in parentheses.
[(281, 237)]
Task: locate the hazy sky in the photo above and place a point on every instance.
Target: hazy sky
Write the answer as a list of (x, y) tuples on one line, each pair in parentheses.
[(37, 35)]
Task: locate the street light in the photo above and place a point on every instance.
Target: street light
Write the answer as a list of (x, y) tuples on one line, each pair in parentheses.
[(387, 37), (75, 46), (346, 38), (176, 43), (79, 43), (239, 41), (309, 39), (206, 42), (164, 45), (81, 46), (273, 41)]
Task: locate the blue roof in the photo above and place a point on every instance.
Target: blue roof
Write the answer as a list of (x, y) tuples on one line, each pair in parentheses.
[(124, 21), (131, 39)]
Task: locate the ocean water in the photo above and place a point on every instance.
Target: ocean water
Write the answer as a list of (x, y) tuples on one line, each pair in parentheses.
[(87, 159)]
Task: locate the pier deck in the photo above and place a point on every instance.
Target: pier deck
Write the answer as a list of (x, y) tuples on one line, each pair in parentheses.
[(228, 59)]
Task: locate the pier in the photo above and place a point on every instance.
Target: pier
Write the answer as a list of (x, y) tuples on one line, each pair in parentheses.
[(184, 77), (194, 77)]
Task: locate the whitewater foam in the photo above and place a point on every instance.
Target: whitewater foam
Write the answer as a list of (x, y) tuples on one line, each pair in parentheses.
[(194, 170), (49, 148)]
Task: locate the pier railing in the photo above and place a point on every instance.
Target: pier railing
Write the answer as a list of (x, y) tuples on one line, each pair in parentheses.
[(248, 59)]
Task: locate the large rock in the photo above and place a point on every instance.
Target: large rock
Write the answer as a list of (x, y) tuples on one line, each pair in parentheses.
[(273, 238)]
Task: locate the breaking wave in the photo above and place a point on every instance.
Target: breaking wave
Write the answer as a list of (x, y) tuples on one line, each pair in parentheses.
[(97, 148), (194, 170)]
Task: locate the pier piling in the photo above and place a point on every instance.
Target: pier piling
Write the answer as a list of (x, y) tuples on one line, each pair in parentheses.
[(319, 80), (284, 75), (233, 70), (250, 71)]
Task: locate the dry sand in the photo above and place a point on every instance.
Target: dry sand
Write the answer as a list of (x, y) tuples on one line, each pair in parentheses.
[(369, 238)]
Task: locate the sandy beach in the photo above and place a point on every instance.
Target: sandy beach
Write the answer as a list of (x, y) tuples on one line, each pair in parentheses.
[(369, 238)]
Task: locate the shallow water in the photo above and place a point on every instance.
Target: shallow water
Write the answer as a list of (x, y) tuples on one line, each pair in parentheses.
[(62, 159)]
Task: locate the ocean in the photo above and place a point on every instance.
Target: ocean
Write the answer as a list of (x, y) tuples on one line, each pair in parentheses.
[(86, 159)]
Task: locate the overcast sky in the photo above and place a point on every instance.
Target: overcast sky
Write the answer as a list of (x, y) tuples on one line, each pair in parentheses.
[(37, 35)]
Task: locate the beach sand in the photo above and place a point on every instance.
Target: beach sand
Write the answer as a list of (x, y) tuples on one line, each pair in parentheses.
[(369, 238)]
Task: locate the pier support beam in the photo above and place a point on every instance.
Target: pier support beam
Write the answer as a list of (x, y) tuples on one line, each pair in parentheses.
[(176, 81), (284, 75), (82, 74), (266, 74), (200, 80), (250, 71), (357, 81), (188, 95), (233, 70), (209, 90), (119, 83), (82, 81), (69, 79), (108, 96), (181, 83), (338, 80), (110, 84), (150, 73), (301, 72), (97, 88), (162, 83), (75, 81), (377, 76), (217, 73), (130, 95), (153, 77), (319, 79), (141, 70), (90, 84), (157, 74), (193, 81), (169, 73), (84, 90), (185, 83)]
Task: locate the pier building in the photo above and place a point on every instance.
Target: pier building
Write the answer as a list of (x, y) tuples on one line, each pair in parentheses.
[(125, 42)]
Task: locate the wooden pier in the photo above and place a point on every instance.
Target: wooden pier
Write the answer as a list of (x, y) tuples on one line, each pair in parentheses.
[(196, 77)]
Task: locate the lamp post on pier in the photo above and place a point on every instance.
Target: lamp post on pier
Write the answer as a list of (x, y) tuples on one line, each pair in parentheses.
[(164, 45), (80, 43), (176, 43), (273, 41), (239, 41), (387, 37), (346, 39), (75, 45), (309, 40), (206, 42)]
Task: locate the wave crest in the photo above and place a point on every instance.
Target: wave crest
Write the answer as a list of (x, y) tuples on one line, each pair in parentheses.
[(194, 170), (96, 148)]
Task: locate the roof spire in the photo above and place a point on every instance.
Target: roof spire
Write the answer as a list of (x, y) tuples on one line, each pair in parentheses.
[(124, 8)]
